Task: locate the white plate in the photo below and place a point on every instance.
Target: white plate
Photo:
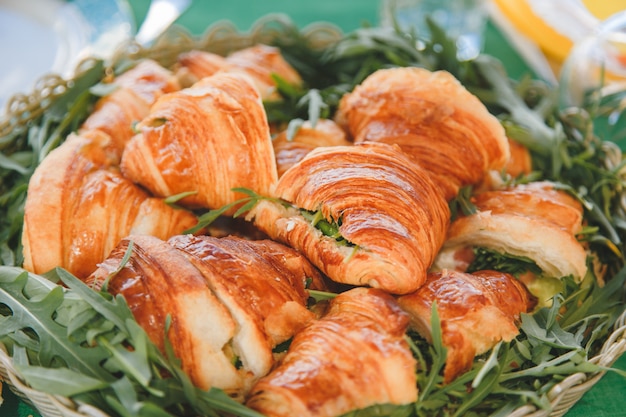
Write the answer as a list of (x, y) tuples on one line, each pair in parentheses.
[(51, 36)]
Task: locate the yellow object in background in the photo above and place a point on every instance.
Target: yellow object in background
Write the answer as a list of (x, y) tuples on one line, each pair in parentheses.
[(553, 44), (602, 9), (555, 26)]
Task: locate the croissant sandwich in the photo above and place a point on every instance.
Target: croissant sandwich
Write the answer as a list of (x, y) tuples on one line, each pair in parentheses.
[(195, 65), (476, 311), (289, 151), (73, 217), (364, 215), (260, 62), (353, 357), (535, 221), (204, 140), (135, 91), (231, 301), (433, 118)]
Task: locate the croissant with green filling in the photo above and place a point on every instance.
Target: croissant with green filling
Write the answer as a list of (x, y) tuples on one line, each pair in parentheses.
[(230, 300), (364, 215), (536, 221), (476, 311), (135, 92)]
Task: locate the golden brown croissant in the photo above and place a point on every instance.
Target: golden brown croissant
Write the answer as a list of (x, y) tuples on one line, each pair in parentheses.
[(260, 62), (157, 282), (433, 118), (137, 89), (206, 139), (353, 357), (289, 151), (231, 301), (391, 215), (535, 221), (518, 165), (194, 65), (49, 190), (520, 162), (78, 207), (476, 311)]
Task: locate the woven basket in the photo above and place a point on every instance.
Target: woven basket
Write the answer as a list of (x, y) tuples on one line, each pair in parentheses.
[(223, 38)]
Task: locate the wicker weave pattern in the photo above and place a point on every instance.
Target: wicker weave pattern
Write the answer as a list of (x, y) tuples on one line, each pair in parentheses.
[(223, 38)]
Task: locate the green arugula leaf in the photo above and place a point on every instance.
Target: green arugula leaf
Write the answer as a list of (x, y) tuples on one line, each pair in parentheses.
[(382, 410), (36, 315), (244, 205), (59, 381), (485, 258)]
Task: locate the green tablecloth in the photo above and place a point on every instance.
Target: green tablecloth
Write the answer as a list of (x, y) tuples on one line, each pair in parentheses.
[(605, 399)]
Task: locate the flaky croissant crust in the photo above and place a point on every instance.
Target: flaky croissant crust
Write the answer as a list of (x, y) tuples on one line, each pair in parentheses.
[(229, 299), (386, 205), (433, 118), (535, 221), (157, 282), (476, 311), (207, 140), (353, 357), (76, 193), (136, 90)]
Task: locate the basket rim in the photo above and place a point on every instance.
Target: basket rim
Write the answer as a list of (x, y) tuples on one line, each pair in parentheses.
[(221, 37)]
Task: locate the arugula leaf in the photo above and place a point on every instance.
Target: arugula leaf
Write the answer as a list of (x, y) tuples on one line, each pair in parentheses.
[(484, 383), (328, 228), (244, 205), (439, 355), (59, 381), (462, 203), (36, 314), (485, 258), (382, 410)]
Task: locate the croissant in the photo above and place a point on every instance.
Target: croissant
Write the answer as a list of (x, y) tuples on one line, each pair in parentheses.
[(390, 217), (260, 62), (535, 221), (156, 282), (194, 65), (231, 301), (476, 311), (433, 118), (137, 89), (289, 151), (263, 62), (353, 357), (520, 161), (78, 207), (518, 165), (206, 140)]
